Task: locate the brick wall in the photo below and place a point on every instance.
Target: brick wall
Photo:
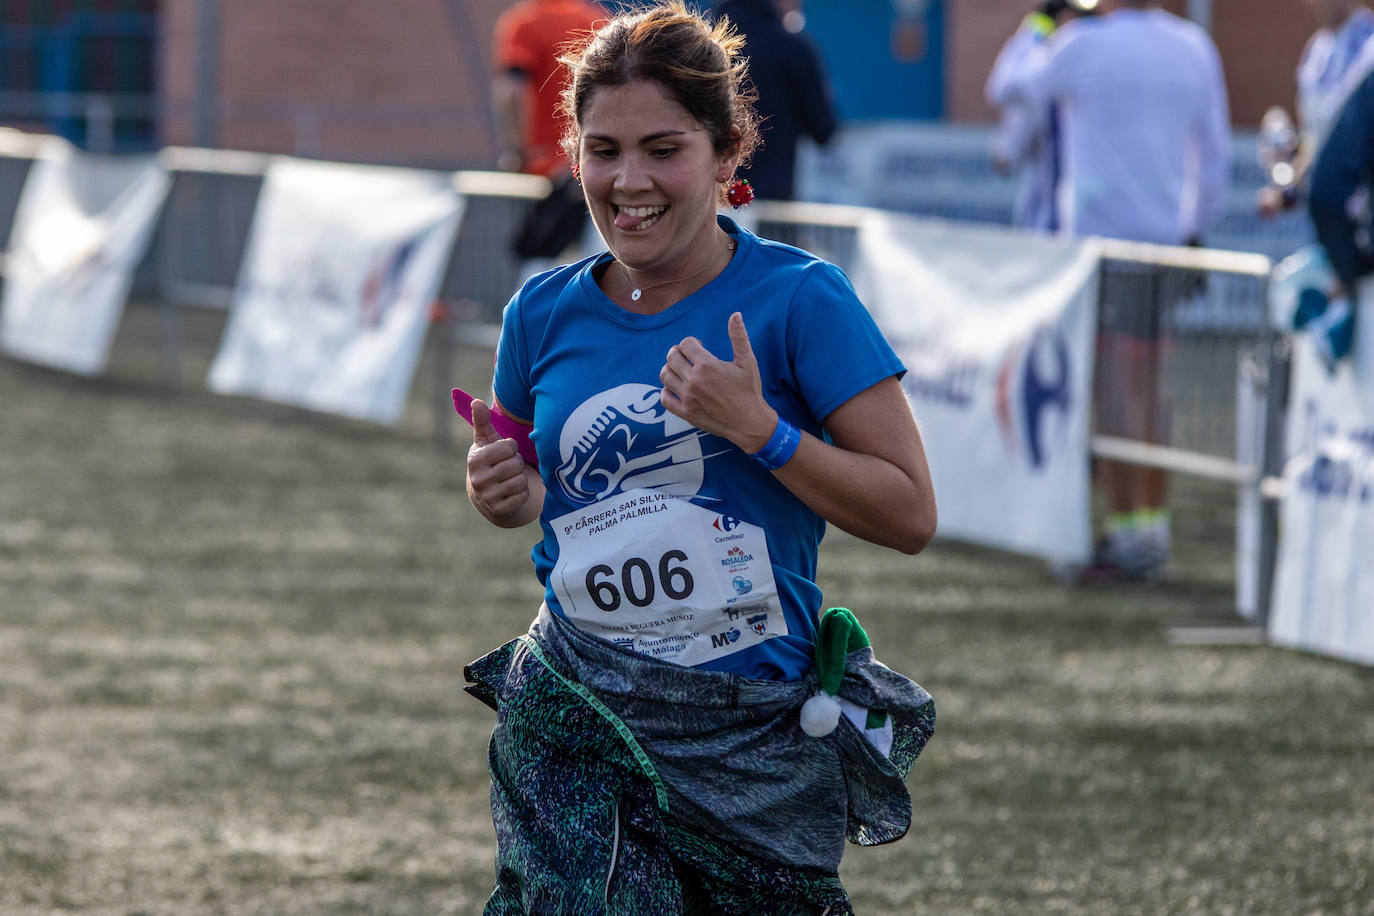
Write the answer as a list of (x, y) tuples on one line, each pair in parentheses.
[(1259, 42), (399, 81), (404, 81)]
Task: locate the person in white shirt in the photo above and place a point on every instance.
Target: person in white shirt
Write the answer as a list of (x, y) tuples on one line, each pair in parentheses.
[(1027, 138), (1145, 134)]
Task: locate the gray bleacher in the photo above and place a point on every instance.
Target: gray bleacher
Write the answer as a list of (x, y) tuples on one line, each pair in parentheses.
[(944, 171)]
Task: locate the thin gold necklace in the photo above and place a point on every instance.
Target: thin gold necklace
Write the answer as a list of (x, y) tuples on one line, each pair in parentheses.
[(638, 291)]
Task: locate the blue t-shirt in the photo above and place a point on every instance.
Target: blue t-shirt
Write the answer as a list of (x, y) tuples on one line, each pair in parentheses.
[(586, 372)]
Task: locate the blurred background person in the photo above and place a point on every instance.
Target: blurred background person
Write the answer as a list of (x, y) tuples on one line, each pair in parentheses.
[(1027, 139), (526, 94), (1339, 204), (794, 95), (1324, 73), (1146, 134), (1344, 28), (527, 83)]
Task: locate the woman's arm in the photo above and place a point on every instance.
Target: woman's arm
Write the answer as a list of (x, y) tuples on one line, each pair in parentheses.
[(507, 491), (873, 481)]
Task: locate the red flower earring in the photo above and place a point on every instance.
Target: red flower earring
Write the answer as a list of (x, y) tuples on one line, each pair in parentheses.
[(739, 193)]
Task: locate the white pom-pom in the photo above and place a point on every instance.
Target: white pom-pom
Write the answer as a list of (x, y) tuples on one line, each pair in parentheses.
[(820, 714)]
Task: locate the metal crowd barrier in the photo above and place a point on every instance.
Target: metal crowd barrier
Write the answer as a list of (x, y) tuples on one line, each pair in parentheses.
[(1221, 360), (1222, 386), (1222, 368), (204, 229), (193, 260), (198, 245)]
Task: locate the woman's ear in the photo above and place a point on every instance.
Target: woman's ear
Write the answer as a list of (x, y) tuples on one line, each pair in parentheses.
[(729, 158)]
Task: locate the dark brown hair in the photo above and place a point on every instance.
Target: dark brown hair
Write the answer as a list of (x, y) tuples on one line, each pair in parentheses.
[(700, 65)]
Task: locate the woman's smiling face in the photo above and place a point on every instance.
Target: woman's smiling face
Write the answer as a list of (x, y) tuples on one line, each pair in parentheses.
[(651, 175)]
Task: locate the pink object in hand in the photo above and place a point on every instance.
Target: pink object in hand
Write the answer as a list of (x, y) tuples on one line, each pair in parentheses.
[(504, 426)]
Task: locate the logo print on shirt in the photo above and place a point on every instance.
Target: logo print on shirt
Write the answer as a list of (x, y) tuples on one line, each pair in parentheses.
[(625, 439)]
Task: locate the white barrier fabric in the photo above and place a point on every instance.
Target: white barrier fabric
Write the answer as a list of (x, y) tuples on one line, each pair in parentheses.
[(996, 328), (1323, 598), (81, 226), (332, 302)]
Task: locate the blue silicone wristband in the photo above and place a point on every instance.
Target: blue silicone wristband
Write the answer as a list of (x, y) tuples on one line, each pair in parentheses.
[(780, 448)]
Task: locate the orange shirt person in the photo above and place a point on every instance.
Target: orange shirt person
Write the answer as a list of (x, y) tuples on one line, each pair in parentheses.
[(527, 84)]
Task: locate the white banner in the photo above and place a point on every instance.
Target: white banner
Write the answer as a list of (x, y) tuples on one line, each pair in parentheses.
[(1323, 598), (333, 298), (996, 328), (82, 225)]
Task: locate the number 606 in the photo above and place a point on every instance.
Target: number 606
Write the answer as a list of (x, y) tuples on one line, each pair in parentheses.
[(637, 582)]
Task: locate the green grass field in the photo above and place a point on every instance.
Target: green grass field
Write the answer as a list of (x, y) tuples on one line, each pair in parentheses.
[(232, 635)]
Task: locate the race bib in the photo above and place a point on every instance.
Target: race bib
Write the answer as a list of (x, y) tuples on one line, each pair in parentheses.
[(657, 574)]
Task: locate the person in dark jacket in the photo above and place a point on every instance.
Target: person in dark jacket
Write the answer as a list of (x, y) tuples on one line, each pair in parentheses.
[(795, 97), (1342, 183)]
